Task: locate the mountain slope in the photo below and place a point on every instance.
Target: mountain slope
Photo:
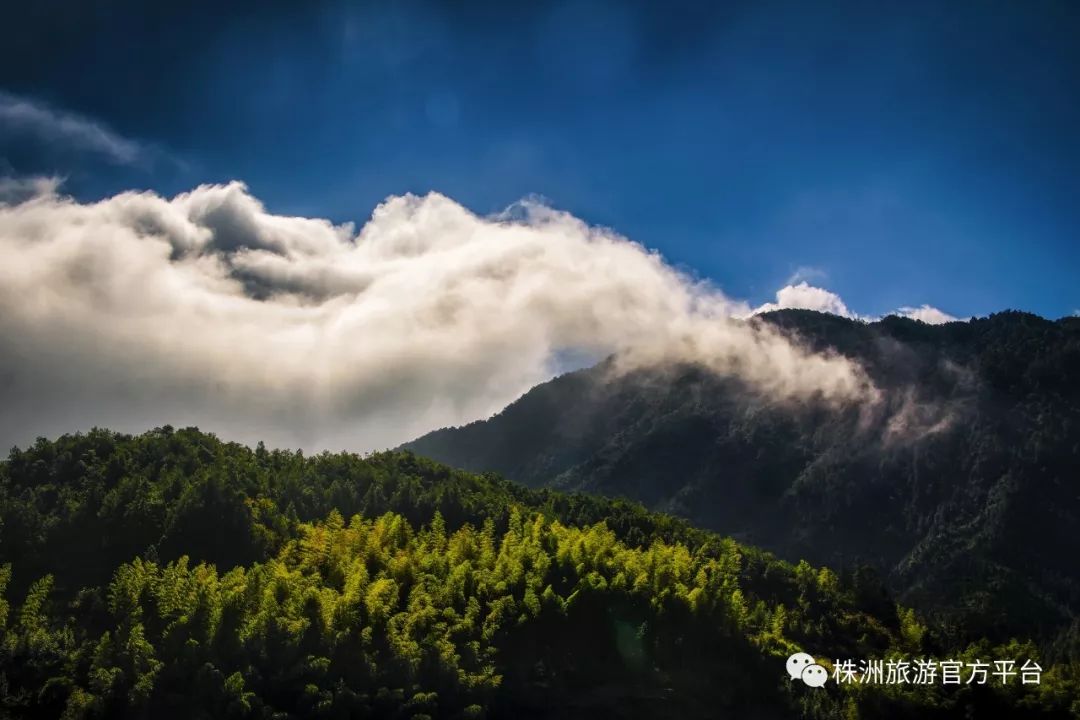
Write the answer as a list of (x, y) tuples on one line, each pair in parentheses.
[(962, 484), (174, 575)]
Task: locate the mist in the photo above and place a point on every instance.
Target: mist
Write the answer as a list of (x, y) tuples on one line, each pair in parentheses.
[(206, 309)]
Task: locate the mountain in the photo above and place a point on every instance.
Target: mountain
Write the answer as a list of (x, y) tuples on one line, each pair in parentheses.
[(173, 575), (961, 485)]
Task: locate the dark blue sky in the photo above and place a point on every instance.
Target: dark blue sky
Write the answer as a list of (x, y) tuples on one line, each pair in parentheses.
[(909, 153)]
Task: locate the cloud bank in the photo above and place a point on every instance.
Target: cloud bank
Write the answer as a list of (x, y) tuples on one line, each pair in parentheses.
[(206, 309)]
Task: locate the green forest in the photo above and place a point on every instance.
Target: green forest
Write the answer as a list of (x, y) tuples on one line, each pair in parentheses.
[(172, 574), (960, 487)]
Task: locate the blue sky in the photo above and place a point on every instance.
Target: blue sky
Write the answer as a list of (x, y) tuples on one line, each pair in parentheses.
[(895, 153)]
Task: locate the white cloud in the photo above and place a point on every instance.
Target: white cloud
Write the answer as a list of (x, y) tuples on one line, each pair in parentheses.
[(23, 116), (804, 296), (927, 314), (16, 190), (206, 309)]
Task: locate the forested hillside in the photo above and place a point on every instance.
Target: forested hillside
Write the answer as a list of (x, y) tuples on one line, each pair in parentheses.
[(961, 484), (175, 575)]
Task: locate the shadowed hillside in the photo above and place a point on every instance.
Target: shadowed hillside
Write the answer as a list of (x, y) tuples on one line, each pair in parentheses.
[(962, 485)]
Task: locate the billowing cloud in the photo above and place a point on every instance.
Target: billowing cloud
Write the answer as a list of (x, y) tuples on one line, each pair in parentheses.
[(25, 117), (206, 309)]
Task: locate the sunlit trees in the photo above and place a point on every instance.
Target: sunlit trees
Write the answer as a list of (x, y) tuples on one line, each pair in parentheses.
[(438, 594)]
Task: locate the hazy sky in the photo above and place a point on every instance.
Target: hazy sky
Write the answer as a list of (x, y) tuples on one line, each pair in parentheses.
[(303, 221)]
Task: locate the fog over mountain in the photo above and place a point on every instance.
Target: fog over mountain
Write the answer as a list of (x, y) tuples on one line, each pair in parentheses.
[(206, 308), (959, 486)]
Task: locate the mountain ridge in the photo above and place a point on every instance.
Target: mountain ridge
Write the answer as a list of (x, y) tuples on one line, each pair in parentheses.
[(961, 487)]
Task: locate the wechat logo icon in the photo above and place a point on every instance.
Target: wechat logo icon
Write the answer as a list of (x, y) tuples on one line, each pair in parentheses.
[(802, 666)]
